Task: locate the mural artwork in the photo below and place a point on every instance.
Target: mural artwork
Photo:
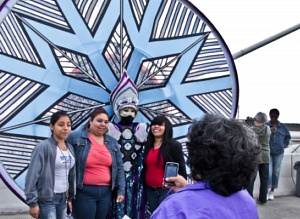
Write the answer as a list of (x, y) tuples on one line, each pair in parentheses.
[(70, 55)]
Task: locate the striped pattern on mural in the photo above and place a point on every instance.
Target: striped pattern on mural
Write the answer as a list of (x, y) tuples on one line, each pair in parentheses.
[(219, 102), (176, 20), (79, 108), (138, 8), (15, 152), (16, 92), (210, 62), (166, 108), (44, 11)]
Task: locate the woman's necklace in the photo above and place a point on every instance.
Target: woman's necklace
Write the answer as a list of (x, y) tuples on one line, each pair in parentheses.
[(157, 145), (66, 158)]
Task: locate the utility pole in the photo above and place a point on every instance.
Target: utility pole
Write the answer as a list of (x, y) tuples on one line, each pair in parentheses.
[(265, 41)]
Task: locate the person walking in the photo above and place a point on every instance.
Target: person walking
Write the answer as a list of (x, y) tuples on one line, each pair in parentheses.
[(263, 133), (99, 168), (50, 178), (223, 155), (279, 140), (160, 149)]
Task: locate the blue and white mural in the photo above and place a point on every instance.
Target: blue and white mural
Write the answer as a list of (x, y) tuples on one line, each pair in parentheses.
[(70, 54)]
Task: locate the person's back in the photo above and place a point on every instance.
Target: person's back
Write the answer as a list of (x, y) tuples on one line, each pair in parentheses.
[(197, 201), (223, 158)]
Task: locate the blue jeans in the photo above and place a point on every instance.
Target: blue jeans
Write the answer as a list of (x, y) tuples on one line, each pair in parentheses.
[(92, 202), (263, 170), (55, 209), (155, 196), (274, 169)]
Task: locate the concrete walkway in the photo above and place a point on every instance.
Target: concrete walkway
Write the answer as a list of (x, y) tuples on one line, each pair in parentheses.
[(282, 207), (9, 202)]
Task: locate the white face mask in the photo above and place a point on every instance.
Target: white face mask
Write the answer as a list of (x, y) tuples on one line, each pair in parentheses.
[(127, 112)]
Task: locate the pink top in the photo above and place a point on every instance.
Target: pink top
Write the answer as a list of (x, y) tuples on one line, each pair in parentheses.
[(98, 165)]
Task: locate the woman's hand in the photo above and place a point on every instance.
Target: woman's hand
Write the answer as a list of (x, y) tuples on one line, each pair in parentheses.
[(179, 181), (34, 211), (120, 198), (70, 206)]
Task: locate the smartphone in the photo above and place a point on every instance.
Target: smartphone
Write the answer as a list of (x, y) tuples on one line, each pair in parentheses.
[(171, 169)]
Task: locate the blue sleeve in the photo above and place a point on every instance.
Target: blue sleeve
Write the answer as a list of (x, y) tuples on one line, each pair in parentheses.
[(287, 138)]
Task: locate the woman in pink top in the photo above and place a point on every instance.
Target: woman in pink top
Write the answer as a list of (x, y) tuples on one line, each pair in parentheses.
[(99, 168)]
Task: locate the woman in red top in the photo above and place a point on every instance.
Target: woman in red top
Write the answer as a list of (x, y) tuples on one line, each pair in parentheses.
[(160, 148)]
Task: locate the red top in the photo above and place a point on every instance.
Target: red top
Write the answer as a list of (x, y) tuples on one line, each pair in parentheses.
[(154, 173), (98, 165)]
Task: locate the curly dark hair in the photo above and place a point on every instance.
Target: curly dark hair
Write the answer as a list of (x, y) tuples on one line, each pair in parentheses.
[(222, 152)]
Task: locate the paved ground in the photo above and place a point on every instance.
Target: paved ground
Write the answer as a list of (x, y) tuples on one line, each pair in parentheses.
[(15, 216), (283, 207)]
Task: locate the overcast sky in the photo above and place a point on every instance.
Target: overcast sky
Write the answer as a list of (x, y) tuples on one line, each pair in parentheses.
[(268, 77)]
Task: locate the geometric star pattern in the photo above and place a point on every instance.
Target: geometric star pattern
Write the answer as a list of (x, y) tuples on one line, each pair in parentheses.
[(70, 54)]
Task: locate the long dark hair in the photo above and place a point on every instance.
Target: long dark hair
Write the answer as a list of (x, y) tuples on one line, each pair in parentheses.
[(167, 137), (96, 112)]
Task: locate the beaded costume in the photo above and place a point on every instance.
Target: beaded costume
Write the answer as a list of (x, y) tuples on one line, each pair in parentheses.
[(132, 149), (131, 137)]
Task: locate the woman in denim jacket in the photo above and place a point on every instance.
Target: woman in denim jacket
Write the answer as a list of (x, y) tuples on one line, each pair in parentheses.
[(280, 139), (99, 168)]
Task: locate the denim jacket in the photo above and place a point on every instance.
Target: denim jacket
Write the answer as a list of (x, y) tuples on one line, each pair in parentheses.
[(279, 139), (82, 145)]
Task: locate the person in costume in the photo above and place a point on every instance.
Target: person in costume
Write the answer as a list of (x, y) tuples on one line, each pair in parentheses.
[(132, 137)]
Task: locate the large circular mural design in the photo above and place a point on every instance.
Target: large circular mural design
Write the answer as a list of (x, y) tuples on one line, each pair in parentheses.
[(70, 54)]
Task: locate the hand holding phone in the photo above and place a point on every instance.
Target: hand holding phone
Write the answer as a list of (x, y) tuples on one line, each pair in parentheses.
[(171, 170)]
